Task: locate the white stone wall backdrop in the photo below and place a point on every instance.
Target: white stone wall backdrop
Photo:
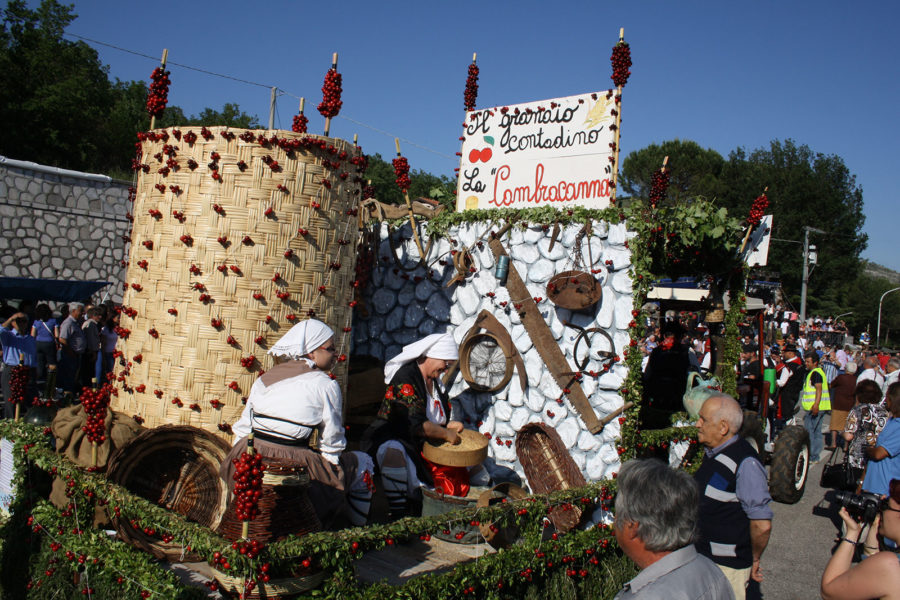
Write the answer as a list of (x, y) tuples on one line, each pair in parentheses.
[(405, 305), (61, 227)]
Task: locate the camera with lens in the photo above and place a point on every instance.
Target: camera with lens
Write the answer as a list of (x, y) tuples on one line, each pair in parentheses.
[(864, 507)]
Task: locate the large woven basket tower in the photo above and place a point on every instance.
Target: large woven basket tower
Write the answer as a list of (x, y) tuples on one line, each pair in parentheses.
[(226, 223)]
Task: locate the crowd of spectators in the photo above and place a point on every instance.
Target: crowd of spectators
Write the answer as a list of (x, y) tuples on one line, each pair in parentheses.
[(71, 346)]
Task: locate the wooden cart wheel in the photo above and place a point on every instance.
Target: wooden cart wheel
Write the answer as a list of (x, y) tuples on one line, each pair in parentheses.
[(593, 343), (485, 364)]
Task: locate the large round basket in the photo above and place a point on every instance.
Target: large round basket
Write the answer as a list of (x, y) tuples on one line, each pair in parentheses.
[(549, 467), (284, 506), (470, 451), (176, 467), (237, 236)]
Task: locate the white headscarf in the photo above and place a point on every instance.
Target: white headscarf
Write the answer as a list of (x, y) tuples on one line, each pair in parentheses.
[(301, 339), (437, 345)]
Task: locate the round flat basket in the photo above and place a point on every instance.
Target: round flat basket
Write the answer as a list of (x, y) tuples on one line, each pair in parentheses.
[(176, 467), (574, 290), (470, 451)]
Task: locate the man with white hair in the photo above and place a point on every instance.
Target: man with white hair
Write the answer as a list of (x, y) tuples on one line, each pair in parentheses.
[(871, 370), (656, 521), (294, 413), (735, 518), (892, 371)]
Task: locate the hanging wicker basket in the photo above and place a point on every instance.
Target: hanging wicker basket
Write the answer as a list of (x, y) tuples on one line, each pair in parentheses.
[(176, 467), (237, 236), (574, 290)]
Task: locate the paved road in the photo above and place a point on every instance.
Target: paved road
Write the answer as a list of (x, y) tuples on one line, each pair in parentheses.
[(802, 539)]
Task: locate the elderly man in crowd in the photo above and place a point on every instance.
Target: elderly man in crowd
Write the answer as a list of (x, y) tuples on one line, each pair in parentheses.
[(656, 521), (892, 371), (735, 518), (72, 346), (871, 370)]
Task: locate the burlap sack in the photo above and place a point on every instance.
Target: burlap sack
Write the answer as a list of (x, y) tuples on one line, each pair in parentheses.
[(72, 441)]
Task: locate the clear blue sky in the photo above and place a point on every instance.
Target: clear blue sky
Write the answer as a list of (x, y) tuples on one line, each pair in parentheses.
[(724, 74)]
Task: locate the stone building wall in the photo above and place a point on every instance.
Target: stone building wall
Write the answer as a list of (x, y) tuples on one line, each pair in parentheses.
[(61, 224), (404, 306)]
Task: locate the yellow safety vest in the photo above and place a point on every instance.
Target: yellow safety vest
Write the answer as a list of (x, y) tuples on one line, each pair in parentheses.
[(808, 395)]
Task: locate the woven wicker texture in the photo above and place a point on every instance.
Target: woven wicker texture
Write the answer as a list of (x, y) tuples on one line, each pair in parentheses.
[(176, 467), (548, 468), (284, 506), (284, 587), (210, 236)]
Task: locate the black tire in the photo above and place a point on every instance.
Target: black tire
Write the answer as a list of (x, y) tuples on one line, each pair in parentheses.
[(752, 431), (790, 465)]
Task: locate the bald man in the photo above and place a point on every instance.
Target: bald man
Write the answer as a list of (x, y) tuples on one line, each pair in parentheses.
[(735, 518)]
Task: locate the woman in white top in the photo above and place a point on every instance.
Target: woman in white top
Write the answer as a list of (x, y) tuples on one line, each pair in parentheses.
[(290, 402)]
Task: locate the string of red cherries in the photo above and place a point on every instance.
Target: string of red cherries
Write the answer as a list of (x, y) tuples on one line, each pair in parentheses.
[(621, 63), (18, 381), (159, 92), (471, 93), (248, 477), (757, 210), (401, 170), (331, 102), (95, 403), (658, 186)]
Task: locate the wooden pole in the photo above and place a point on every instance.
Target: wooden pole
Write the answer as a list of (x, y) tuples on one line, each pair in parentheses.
[(272, 97), (334, 58), (162, 64), (615, 174)]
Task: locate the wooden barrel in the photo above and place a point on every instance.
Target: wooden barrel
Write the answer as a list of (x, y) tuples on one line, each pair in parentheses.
[(237, 235)]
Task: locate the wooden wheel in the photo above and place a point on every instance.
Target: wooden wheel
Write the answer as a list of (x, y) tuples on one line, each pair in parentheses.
[(485, 364)]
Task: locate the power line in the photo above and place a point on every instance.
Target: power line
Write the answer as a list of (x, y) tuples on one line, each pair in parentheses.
[(262, 85)]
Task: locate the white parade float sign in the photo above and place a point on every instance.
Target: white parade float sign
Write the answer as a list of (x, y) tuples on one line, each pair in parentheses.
[(553, 152)]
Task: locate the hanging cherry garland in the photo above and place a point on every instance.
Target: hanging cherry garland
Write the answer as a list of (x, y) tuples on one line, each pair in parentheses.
[(659, 185), (300, 120), (331, 102), (18, 382), (158, 96), (248, 477), (757, 210), (95, 403), (621, 63), (471, 93), (401, 171)]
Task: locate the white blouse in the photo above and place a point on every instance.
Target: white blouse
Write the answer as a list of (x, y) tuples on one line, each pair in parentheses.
[(311, 399)]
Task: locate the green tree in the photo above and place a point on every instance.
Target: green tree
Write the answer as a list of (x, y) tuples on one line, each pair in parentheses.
[(231, 115), (805, 188), (422, 184), (55, 95), (694, 171)]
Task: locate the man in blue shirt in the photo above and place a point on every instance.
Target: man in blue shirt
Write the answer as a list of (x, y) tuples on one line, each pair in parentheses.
[(16, 341), (884, 456)]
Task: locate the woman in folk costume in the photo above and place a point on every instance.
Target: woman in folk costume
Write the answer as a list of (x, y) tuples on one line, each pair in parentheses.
[(294, 412), (416, 408)]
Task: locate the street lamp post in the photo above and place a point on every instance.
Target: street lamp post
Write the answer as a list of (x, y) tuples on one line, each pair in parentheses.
[(878, 329), (806, 249)]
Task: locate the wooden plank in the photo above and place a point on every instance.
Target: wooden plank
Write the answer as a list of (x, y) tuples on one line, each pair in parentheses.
[(544, 342)]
